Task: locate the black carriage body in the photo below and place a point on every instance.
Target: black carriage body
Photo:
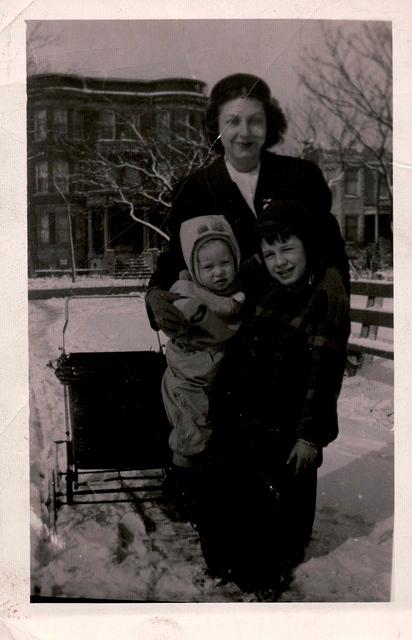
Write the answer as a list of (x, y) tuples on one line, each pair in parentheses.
[(117, 417)]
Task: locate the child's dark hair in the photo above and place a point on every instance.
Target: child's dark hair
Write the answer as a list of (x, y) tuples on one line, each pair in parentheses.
[(284, 218)]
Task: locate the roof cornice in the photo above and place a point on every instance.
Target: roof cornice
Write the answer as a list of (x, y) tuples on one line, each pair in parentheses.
[(116, 86)]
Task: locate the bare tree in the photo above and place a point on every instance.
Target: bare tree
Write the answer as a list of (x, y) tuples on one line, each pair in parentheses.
[(349, 91), (140, 171), (38, 39)]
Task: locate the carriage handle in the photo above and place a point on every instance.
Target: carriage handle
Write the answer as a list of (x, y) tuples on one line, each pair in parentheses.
[(111, 296)]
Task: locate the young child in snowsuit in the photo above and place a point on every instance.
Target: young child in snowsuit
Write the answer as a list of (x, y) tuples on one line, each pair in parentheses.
[(210, 303), (276, 410)]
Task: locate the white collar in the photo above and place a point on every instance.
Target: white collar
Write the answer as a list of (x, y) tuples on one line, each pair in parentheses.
[(242, 174), (246, 182)]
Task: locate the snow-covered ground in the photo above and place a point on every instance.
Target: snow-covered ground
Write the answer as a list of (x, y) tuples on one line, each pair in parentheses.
[(65, 282), (140, 550)]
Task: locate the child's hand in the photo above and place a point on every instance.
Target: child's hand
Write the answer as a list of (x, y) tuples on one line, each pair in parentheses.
[(239, 299), (305, 454), (184, 275)]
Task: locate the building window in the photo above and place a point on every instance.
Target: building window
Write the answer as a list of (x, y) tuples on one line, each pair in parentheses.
[(78, 124), (90, 120), (179, 123), (127, 125), (375, 184), (385, 226), (176, 121), (369, 229), (129, 177), (136, 117), (146, 123), (351, 228), (192, 120), (352, 181), (163, 125), (62, 228), (42, 176), (60, 122), (53, 228), (40, 124), (61, 175), (184, 124), (106, 125), (78, 227), (47, 227), (77, 178), (370, 186), (383, 189)]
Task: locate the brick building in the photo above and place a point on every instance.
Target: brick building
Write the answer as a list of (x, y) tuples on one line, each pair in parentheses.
[(361, 201), (85, 138)]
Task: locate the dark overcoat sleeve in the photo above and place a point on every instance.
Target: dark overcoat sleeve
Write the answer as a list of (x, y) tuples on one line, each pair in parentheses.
[(323, 363)]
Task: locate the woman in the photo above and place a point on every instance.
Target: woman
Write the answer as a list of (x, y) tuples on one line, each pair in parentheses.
[(276, 411), (242, 122)]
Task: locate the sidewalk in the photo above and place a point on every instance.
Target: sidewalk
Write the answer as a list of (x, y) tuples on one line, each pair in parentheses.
[(349, 558)]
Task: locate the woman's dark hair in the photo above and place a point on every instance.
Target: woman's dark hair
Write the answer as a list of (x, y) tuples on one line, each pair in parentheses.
[(284, 218), (247, 86)]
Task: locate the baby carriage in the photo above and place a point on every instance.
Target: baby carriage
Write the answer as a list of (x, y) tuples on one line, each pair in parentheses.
[(116, 429)]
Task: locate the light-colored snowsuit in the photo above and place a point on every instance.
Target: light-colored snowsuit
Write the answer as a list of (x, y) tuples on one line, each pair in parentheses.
[(193, 357)]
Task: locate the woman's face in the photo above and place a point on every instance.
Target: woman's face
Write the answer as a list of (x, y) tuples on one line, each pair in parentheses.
[(242, 127), (285, 261)]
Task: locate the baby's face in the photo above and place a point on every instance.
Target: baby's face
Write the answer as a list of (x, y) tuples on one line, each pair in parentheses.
[(216, 265), (285, 261)]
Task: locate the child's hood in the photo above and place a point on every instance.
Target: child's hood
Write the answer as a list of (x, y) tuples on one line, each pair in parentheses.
[(196, 231)]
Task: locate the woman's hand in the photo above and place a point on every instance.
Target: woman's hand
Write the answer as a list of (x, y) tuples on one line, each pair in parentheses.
[(305, 454), (167, 316)]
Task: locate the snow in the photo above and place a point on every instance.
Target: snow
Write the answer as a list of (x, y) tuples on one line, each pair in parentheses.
[(65, 282), (141, 550)]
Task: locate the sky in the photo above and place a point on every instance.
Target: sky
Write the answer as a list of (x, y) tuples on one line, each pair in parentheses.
[(147, 49), (203, 49)]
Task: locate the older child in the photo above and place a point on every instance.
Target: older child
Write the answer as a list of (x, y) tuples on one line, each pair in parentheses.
[(210, 303), (276, 412)]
